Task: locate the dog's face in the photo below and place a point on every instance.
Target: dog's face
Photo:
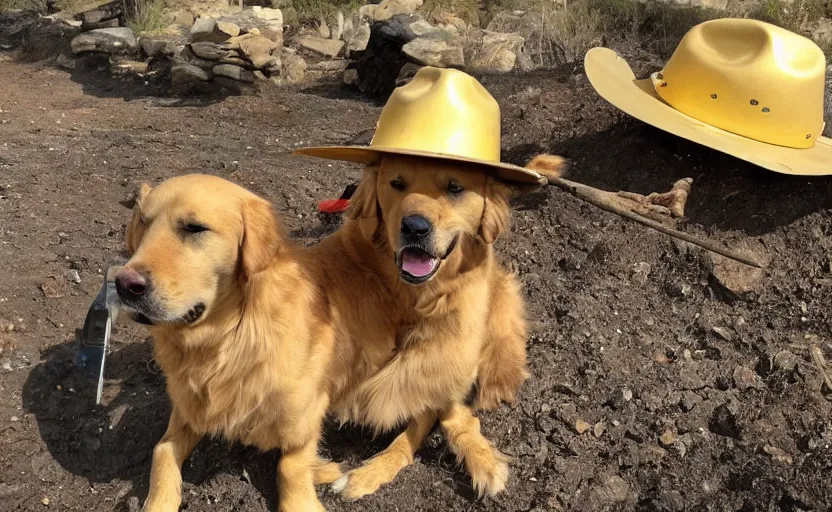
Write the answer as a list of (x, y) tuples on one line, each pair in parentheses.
[(426, 208), (192, 239)]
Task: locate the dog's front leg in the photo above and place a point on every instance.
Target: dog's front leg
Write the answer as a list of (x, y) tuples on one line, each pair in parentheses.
[(486, 465), (166, 471), (384, 467), (297, 472)]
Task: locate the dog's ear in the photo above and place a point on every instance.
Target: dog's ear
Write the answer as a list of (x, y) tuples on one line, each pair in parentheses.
[(364, 207), (496, 216), (136, 227), (262, 236)]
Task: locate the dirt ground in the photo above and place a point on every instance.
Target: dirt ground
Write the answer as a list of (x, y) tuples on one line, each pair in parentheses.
[(695, 398)]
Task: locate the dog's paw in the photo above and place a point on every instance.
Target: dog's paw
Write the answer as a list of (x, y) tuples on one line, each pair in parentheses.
[(364, 480), (489, 473)]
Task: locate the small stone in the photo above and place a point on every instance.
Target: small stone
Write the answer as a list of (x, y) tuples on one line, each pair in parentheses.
[(49, 291), (785, 361), (14, 419), (326, 47), (687, 355), (350, 76), (735, 280), (724, 333), (581, 426), (668, 437), (627, 395), (745, 378), (45, 501), (74, 276), (598, 429), (778, 454)]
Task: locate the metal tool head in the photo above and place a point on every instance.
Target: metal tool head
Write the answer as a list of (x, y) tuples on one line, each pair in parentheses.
[(94, 340)]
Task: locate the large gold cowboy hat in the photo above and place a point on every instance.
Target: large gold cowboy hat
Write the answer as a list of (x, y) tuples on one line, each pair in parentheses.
[(441, 113), (743, 87)]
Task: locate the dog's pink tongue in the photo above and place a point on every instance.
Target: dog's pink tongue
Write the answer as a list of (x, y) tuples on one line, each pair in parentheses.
[(417, 265)]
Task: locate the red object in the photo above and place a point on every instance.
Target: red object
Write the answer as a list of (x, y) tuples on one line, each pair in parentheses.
[(332, 206)]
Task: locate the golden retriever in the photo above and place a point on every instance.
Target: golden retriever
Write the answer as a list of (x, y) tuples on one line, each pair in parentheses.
[(240, 331), (425, 228)]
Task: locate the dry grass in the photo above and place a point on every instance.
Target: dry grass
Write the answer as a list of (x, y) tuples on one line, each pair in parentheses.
[(38, 6), (312, 11), (438, 10), (145, 16)]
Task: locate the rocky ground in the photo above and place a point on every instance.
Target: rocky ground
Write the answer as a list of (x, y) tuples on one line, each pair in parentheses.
[(662, 379)]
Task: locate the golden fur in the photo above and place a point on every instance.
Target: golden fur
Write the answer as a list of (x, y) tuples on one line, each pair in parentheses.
[(288, 332)]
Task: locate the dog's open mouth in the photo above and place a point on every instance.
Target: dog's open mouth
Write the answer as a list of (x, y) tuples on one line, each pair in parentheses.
[(417, 266)]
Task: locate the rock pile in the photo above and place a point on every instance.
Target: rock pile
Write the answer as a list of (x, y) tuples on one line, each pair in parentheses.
[(402, 43)]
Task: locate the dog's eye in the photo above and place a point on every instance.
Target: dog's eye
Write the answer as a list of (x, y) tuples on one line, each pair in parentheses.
[(193, 227), (455, 188), (398, 184)]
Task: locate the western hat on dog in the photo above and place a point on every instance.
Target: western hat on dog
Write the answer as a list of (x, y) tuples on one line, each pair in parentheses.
[(443, 114), (743, 87)]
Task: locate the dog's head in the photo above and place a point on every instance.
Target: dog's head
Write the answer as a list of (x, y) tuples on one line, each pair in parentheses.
[(423, 208), (193, 239)]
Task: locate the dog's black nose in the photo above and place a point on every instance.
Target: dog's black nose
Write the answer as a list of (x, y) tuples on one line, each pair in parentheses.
[(416, 227), (131, 285)]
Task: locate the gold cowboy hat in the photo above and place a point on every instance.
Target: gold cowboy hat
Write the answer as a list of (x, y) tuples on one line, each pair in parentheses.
[(440, 113), (743, 87)]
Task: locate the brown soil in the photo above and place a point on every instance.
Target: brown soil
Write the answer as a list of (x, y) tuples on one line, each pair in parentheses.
[(631, 332)]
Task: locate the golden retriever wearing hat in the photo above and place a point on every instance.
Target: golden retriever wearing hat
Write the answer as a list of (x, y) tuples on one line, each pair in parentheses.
[(426, 228)]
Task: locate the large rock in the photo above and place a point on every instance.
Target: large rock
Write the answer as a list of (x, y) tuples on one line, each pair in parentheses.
[(357, 37), (326, 47), (114, 41), (439, 53), (257, 49), (184, 75), (234, 72), (496, 53), (95, 18), (209, 51)]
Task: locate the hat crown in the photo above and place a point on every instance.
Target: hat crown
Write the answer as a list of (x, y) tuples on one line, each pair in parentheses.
[(749, 78), (442, 111)]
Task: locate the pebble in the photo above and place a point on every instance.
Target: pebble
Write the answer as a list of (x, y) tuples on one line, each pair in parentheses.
[(45, 501), (723, 333), (745, 378), (627, 395), (785, 361), (598, 429), (581, 426), (74, 276), (778, 454), (14, 419), (668, 437)]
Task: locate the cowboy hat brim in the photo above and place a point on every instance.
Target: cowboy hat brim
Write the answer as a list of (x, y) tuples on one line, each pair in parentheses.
[(613, 79), (370, 155)]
